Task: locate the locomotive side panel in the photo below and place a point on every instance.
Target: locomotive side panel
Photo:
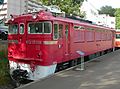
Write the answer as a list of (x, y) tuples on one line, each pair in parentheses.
[(105, 39), (90, 40), (77, 40)]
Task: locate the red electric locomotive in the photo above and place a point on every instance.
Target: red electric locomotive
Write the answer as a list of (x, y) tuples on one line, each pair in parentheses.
[(41, 43), (117, 40)]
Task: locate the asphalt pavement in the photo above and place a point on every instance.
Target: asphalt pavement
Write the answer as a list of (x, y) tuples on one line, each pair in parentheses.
[(101, 73)]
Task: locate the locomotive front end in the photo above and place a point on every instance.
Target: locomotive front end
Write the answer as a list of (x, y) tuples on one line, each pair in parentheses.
[(29, 45)]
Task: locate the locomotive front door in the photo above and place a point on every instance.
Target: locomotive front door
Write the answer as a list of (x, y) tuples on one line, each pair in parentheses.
[(66, 41), (22, 39)]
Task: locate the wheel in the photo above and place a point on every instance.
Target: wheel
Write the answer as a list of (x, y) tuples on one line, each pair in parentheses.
[(14, 82), (92, 56)]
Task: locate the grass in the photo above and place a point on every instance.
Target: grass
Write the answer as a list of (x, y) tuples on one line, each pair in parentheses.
[(4, 72), (4, 68)]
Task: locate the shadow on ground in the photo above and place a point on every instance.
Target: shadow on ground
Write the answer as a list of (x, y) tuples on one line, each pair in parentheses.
[(103, 73)]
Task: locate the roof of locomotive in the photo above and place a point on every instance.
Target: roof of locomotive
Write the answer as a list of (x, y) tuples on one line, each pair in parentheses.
[(43, 15)]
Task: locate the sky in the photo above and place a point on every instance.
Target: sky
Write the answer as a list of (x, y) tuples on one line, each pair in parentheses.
[(99, 3)]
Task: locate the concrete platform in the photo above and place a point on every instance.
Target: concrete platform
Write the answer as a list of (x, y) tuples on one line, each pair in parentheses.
[(102, 73)]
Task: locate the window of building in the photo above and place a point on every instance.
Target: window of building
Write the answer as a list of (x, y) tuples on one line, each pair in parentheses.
[(112, 22)]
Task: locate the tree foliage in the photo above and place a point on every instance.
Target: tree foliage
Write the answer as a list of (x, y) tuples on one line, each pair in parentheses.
[(117, 15), (107, 10), (68, 6)]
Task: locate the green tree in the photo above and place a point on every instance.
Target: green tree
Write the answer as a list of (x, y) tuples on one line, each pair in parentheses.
[(117, 15), (107, 10), (68, 6)]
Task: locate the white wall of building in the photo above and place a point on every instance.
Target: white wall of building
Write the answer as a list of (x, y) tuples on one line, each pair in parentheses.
[(111, 22), (106, 20), (17, 7), (93, 15), (90, 11)]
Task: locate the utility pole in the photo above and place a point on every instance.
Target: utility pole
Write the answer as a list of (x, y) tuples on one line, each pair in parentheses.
[(20, 7), (26, 1)]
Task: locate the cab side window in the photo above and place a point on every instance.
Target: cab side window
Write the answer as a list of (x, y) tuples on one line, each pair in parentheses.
[(21, 28), (60, 30), (66, 31), (56, 34)]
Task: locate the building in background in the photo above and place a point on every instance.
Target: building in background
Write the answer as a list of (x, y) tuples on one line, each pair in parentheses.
[(90, 11), (3, 10), (17, 7), (93, 15), (23, 6), (106, 20)]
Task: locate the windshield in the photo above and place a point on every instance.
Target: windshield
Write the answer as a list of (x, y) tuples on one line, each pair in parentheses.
[(117, 35), (39, 28), (13, 29)]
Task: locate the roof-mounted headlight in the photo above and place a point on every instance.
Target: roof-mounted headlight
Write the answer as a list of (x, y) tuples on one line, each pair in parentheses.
[(34, 15), (12, 17)]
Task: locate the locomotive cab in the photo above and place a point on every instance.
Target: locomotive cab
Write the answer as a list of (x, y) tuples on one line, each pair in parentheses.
[(29, 46), (37, 43)]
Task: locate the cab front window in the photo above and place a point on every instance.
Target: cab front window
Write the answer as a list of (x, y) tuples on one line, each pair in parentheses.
[(13, 29), (40, 28)]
